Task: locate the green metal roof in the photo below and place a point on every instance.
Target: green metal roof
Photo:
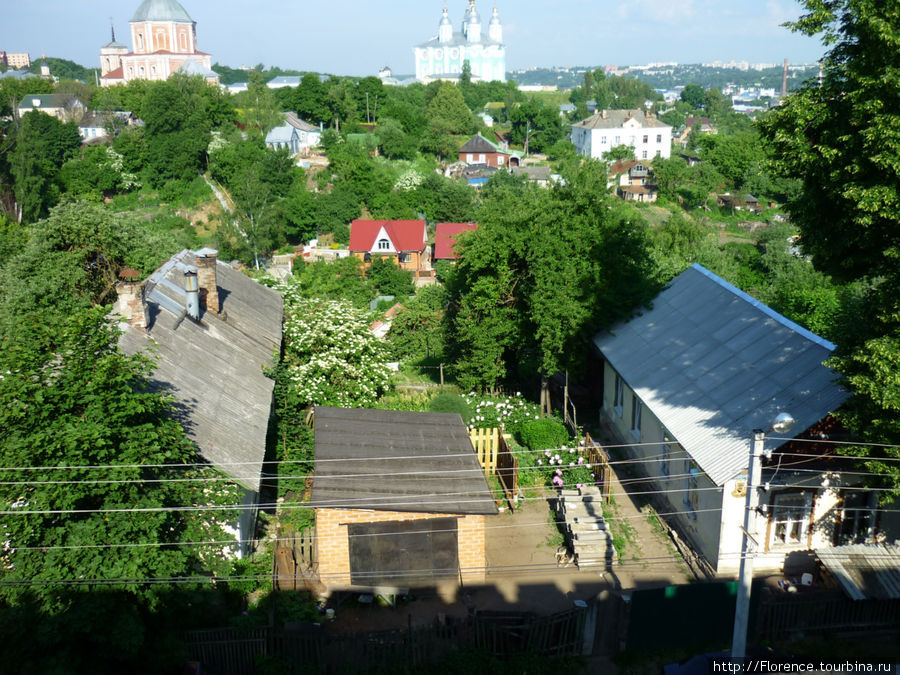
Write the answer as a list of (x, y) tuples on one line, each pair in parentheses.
[(161, 10)]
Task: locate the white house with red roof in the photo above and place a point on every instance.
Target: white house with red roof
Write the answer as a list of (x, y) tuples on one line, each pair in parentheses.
[(445, 239), (404, 241)]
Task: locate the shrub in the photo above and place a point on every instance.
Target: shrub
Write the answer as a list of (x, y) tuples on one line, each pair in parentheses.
[(543, 433), (450, 403)]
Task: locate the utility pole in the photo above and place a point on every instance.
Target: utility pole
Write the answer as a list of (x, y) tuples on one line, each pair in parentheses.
[(749, 547), (750, 544)]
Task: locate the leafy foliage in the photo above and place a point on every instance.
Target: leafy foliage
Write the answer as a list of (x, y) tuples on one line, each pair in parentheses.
[(330, 356), (543, 433)]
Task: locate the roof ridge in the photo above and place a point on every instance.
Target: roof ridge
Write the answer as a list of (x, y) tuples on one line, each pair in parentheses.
[(765, 309)]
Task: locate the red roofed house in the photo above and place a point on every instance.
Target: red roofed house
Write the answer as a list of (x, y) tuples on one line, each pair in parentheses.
[(404, 241), (445, 238)]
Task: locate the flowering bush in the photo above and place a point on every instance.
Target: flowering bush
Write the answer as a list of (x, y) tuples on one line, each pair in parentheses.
[(330, 356), (508, 413)]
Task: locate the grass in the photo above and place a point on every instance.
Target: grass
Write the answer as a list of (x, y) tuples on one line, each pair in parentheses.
[(556, 538), (623, 534)]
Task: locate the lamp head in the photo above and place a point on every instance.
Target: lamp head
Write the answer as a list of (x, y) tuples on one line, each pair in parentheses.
[(783, 423)]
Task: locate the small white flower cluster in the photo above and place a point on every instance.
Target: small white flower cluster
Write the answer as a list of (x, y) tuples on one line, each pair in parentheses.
[(331, 356), (409, 180), (508, 411)]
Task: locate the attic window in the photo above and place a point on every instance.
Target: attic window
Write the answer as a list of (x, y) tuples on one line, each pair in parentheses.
[(384, 245)]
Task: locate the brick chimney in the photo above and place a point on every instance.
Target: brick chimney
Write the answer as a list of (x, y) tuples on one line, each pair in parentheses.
[(131, 304), (206, 276)]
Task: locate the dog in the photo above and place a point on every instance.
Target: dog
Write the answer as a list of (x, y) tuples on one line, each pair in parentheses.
[(564, 557)]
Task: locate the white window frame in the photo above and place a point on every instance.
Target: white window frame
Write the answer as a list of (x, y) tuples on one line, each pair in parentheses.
[(859, 511), (384, 245), (789, 517)]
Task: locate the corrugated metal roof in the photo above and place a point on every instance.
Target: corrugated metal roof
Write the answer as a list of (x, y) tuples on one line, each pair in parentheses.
[(214, 369), (865, 570), (712, 364), (397, 461)]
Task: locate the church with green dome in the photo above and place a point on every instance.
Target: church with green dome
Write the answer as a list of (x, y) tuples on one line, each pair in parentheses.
[(163, 41), (443, 56)]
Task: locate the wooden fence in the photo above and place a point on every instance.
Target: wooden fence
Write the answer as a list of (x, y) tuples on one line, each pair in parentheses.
[(779, 616), (596, 456), (233, 651), (295, 561), (502, 633), (495, 458)]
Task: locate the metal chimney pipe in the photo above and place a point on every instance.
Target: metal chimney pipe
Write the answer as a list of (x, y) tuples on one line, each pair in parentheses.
[(192, 289)]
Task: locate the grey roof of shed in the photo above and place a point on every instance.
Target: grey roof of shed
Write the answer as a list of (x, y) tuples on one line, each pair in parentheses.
[(389, 460), (712, 364), (214, 369), (865, 570)]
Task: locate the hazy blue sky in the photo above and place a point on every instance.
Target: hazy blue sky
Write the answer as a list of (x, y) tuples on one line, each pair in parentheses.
[(359, 36)]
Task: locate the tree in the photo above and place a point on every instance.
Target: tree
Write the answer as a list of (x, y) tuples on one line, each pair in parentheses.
[(448, 108), (329, 353), (78, 402), (43, 144), (544, 270), (840, 139), (264, 112), (535, 126), (618, 152), (388, 278), (668, 174), (693, 95)]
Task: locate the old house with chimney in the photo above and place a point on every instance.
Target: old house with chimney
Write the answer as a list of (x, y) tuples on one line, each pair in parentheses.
[(213, 332), (607, 129)]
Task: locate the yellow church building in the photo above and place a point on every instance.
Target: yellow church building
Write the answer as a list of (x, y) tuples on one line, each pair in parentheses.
[(164, 41)]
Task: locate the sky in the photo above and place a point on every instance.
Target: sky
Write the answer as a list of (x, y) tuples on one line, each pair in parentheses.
[(358, 37)]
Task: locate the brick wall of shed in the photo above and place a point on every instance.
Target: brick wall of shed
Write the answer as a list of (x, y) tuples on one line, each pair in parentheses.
[(333, 543)]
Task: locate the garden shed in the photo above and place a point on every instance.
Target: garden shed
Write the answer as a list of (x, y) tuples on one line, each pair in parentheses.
[(400, 499)]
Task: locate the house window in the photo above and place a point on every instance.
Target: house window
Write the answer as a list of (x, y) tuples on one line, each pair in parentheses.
[(500, 160), (619, 395), (645, 139), (636, 417), (469, 158), (404, 257), (690, 492), (857, 524), (659, 138), (789, 520), (658, 152), (666, 455), (618, 140), (384, 245), (603, 140), (644, 154), (481, 158)]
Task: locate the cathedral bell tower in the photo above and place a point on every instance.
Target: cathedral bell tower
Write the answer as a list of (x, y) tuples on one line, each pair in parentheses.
[(445, 31), (495, 29)]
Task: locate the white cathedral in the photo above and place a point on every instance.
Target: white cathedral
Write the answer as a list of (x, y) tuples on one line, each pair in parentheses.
[(442, 57)]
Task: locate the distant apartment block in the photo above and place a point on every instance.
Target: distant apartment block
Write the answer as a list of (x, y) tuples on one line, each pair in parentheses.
[(15, 60)]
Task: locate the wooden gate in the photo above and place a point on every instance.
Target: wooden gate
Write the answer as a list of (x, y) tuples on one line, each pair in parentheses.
[(496, 458)]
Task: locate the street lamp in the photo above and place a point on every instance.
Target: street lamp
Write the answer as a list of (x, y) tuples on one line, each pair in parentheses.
[(749, 545)]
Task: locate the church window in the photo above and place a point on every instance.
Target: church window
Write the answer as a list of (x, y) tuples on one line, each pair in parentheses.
[(153, 70), (140, 37), (384, 245), (183, 41)]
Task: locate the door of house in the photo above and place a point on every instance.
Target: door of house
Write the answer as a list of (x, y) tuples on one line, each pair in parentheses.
[(403, 553)]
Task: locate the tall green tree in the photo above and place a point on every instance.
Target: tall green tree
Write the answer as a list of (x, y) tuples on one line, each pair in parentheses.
[(544, 270), (448, 108), (841, 140), (42, 145)]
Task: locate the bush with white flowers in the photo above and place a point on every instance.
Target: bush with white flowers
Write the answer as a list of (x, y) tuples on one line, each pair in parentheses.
[(329, 354)]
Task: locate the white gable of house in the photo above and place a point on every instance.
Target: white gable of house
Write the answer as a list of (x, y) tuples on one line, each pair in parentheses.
[(382, 234)]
